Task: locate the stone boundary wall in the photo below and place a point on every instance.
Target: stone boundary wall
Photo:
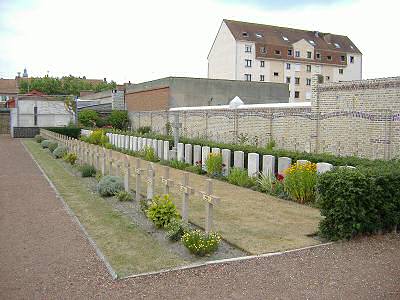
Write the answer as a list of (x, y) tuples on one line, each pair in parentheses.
[(360, 118)]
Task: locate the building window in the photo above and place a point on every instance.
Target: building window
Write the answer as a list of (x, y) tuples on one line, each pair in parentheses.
[(297, 94), (308, 81), (287, 66), (297, 67), (290, 52), (352, 59), (308, 68), (277, 52), (297, 53), (342, 58), (327, 78), (309, 54), (247, 77), (341, 71), (247, 48), (262, 64), (297, 80), (261, 77), (35, 114), (276, 74), (288, 79), (329, 57), (247, 63), (318, 55), (263, 50)]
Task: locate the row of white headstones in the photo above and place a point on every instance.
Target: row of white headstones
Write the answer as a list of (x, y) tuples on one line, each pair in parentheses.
[(199, 154)]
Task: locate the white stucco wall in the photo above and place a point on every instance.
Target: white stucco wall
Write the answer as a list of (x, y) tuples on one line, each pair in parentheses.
[(221, 59)]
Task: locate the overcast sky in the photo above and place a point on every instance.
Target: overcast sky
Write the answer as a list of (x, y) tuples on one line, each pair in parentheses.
[(145, 40)]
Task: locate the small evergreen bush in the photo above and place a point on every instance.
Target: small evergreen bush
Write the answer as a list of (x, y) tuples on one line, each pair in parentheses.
[(60, 151), (87, 170), (38, 138), (45, 144), (70, 158), (176, 229), (52, 146), (161, 211), (240, 177), (110, 185), (200, 243), (124, 196)]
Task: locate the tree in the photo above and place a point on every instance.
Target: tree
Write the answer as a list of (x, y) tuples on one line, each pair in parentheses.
[(88, 118), (119, 119)]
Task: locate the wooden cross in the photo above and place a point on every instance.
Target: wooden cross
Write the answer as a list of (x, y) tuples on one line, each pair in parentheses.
[(138, 172), (127, 173), (186, 190), (166, 181), (103, 161), (210, 200), (150, 182)]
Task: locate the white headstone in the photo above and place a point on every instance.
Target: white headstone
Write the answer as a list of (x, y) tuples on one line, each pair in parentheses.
[(139, 143), (302, 162), (166, 150), (268, 168), (188, 154), (196, 154), (226, 161), (160, 149), (134, 143), (155, 146), (323, 167), (253, 164), (181, 152), (149, 143), (216, 150), (144, 143), (205, 151), (283, 164), (238, 159), (127, 139)]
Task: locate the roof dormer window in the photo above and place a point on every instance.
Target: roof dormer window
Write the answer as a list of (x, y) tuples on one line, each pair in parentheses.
[(351, 46), (285, 38), (259, 35), (312, 42), (337, 45), (245, 34)]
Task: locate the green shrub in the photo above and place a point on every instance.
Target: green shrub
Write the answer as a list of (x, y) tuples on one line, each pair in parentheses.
[(181, 165), (52, 146), (149, 154), (45, 144), (38, 138), (161, 211), (88, 118), (60, 151), (266, 184), (200, 243), (358, 201), (124, 196), (214, 164), (97, 137), (119, 119), (87, 170), (70, 158), (110, 185), (71, 131), (300, 182), (239, 177), (195, 169), (144, 205), (176, 229), (144, 129)]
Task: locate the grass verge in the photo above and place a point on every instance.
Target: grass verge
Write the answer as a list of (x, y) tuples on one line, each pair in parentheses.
[(129, 249)]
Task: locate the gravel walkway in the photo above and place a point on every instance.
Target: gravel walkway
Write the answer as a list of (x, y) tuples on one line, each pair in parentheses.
[(44, 255)]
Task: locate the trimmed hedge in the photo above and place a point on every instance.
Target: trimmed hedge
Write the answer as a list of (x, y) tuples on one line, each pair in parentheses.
[(359, 201), (73, 132)]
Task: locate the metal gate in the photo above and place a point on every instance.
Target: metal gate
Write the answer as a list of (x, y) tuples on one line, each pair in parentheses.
[(4, 121)]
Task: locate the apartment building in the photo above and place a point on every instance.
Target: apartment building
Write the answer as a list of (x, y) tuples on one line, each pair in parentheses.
[(265, 53)]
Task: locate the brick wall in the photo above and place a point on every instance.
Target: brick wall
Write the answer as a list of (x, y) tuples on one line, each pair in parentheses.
[(149, 100), (359, 118)]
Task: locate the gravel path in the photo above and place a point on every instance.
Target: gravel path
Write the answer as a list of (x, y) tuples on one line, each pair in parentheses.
[(44, 255)]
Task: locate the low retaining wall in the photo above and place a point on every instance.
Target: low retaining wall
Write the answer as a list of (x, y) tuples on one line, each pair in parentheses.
[(25, 132)]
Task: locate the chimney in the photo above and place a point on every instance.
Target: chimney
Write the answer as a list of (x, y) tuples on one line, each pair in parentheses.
[(316, 33), (105, 79)]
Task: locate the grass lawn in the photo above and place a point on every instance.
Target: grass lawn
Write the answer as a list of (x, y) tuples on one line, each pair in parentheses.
[(129, 249), (256, 222)]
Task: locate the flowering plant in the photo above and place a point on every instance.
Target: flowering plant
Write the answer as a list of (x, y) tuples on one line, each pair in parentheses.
[(201, 243), (300, 182), (214, 164)]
